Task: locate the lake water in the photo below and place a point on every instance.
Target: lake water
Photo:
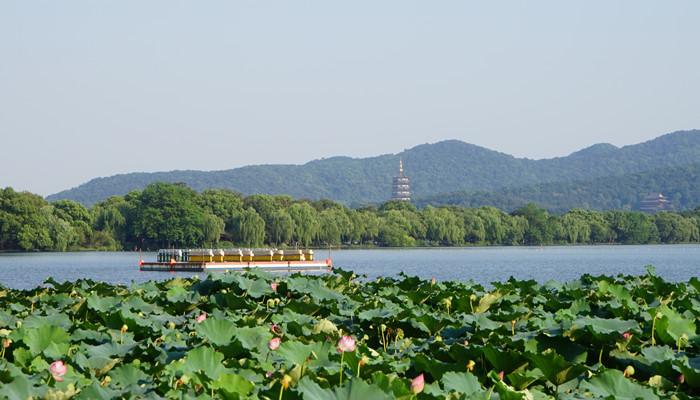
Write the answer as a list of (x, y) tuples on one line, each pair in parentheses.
[(481, 264)]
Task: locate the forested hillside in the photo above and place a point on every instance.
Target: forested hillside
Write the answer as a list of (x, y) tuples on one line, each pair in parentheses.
[(680, 184), (443, 167), (165, 215)]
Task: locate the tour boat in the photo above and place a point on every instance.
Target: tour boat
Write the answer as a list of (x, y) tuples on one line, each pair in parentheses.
[(199, 260)]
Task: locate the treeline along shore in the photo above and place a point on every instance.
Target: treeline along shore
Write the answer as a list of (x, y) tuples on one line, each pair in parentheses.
[(165, 215)]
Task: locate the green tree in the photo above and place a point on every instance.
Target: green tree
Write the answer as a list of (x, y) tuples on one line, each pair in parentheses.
[(249, 228), (166, 214), (305, 222), (539, 229), (77, 216), (282, 228), (212, 227)]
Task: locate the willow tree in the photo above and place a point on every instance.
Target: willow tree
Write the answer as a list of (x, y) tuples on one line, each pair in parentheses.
[(305, 222), (249, 228)]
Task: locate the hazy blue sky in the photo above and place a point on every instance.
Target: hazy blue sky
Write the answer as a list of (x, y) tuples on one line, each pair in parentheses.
[(95, 88)]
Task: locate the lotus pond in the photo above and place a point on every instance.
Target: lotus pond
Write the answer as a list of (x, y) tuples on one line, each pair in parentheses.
[(337, 336)]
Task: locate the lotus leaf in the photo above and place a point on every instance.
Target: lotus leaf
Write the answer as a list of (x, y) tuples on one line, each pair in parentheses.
[(352, 389), (614, 383)]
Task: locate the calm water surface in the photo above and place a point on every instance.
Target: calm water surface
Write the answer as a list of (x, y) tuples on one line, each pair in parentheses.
[(480, 264)]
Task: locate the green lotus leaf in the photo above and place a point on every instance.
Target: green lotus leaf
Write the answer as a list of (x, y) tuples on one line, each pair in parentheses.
[(205, 360), (352, 389), (605, 329), (673, 325), (97, 365), (379, 314), (504, 360), (434, 367), (23, 387), (109, 349), (232, 386), (177, 281), (390, 383), (571, 351), (58, 320), (691, 369), (324, 326), (254, 339), (504, 391), (661, 359), (486, 302), (127, 375), (102, 304), (137, 304), (52, 338), (294, 352), (235, 301), (613, 383), (217, 331), (98, 392), (259, 288), (521, 380), (462, 382), (555, 368)]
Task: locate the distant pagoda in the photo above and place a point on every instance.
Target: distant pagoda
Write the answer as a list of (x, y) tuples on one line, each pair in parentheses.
[(655, 202), (400, 185)]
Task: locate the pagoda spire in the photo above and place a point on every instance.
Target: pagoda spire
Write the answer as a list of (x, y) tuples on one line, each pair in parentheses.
[(400, 185)]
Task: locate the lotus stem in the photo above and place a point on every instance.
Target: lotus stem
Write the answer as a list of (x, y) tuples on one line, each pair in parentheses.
[(342, 355)]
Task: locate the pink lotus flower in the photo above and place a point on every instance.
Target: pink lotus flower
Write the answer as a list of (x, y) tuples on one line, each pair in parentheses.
[(273, 344), (346, 344), (626, 335), (57, 370), (201, 317), (273, 286), (500, 375), (418, 384)]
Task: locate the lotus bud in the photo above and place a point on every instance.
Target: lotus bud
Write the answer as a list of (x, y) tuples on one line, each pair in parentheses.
[(681, 378), (124, 328), (6, 343), (417, 384), (201, 317), (626, 335), (273, 286), (273, 344), (500, 375), (629, 371)]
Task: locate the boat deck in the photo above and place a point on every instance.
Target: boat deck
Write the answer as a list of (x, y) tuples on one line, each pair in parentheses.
[(280, 266)]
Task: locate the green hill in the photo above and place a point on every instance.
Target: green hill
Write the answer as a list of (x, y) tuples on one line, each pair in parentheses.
[(443, 167), (617, 192)]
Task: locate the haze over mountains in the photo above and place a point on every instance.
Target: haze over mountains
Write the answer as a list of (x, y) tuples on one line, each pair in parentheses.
[(599, 177)]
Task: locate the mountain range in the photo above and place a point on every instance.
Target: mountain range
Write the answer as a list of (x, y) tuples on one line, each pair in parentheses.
[(458, 173)]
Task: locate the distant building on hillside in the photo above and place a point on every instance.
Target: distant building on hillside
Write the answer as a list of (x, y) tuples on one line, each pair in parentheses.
[(655, 202), (400, 185)]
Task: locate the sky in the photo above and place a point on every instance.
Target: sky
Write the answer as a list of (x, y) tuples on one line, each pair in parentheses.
[(92, 89)]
